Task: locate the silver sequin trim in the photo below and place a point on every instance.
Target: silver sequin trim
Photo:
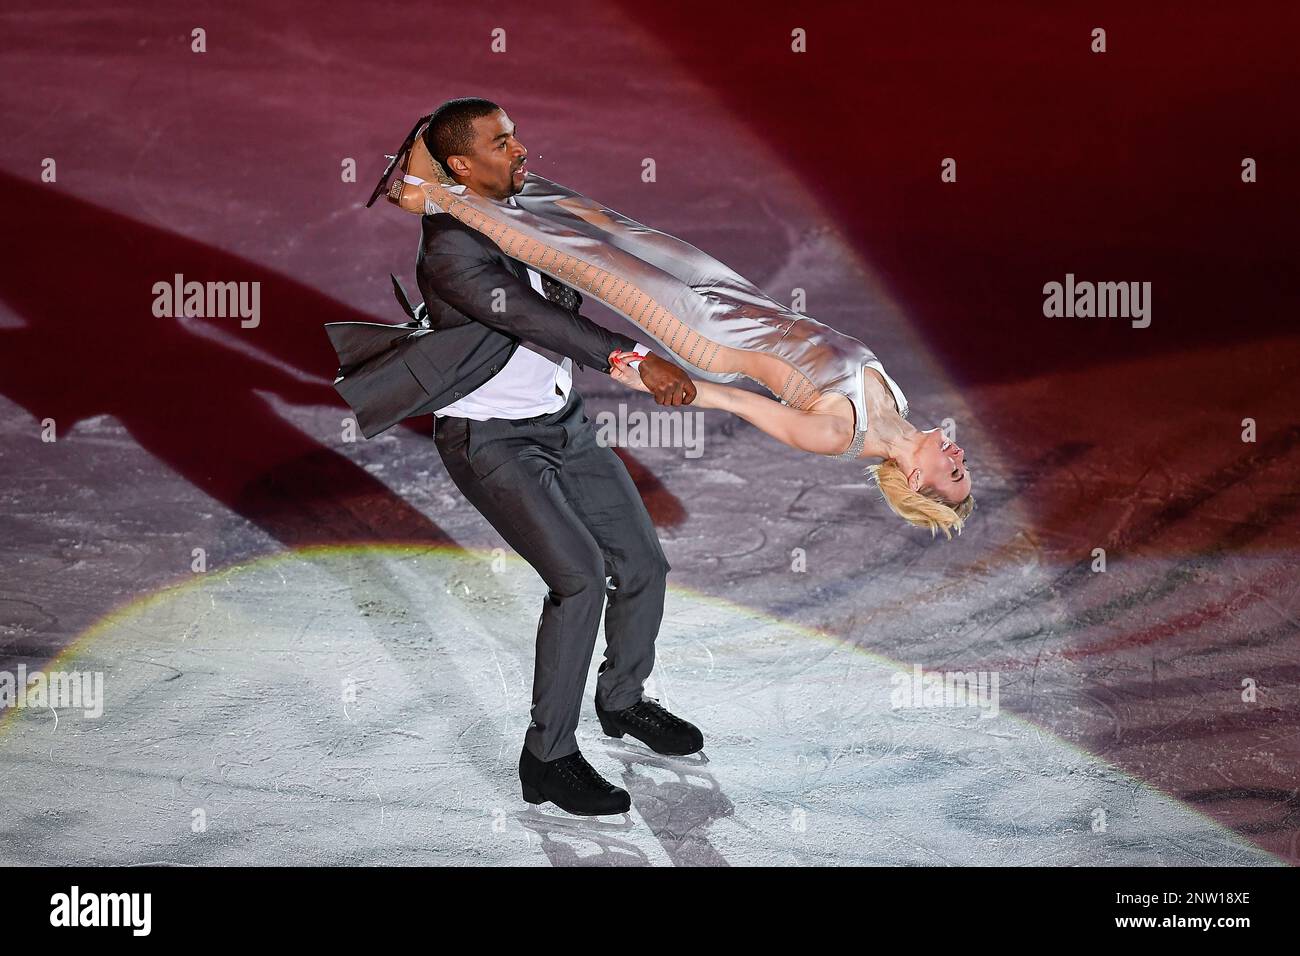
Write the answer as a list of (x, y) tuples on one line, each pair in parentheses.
[(855, 449)]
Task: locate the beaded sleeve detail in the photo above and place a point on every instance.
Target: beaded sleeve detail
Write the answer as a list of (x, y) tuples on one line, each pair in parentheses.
[(854, 449)]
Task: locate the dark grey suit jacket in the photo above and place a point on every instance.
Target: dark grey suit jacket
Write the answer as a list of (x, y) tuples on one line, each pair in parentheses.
[(455, 341)]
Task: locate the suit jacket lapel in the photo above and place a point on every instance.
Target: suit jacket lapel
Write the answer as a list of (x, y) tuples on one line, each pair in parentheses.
[(521, 270)]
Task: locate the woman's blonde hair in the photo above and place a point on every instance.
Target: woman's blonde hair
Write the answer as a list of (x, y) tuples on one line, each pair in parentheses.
[(925, 510)]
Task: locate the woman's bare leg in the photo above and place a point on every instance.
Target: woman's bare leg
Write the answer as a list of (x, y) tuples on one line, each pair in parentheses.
[(778, 375)]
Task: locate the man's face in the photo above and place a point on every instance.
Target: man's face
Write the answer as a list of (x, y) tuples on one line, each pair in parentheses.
[(495, 166)]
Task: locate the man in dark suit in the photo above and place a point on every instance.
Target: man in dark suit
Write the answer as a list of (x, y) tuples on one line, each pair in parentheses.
[(517, 442)]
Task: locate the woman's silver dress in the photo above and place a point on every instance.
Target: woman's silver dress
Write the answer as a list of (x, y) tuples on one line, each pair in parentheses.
[(717, 324)]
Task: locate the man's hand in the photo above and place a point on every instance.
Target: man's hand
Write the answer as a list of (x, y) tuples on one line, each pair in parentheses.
[(667, 382)]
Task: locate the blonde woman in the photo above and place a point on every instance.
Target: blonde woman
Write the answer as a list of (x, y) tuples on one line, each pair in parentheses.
[(833, 397), (923, 476)]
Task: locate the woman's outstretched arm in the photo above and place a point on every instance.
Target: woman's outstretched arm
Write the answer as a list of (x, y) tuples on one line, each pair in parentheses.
[(816, 432)]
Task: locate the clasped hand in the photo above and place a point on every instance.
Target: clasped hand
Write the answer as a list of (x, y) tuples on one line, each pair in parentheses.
[(667, 382)]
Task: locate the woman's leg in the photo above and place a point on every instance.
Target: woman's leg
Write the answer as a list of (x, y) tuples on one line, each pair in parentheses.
[(618, 288)]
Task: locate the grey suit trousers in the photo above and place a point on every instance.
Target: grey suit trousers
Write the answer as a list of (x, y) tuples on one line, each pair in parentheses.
[(567, 505)]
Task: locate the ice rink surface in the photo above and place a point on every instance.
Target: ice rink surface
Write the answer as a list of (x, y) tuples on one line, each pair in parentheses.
[(347, 680), (247, 726)]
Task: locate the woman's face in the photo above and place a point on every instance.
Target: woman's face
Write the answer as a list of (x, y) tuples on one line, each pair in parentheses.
[(943, 467)]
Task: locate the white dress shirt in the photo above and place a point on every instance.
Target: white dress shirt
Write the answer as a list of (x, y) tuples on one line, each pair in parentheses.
[(529, 384)]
